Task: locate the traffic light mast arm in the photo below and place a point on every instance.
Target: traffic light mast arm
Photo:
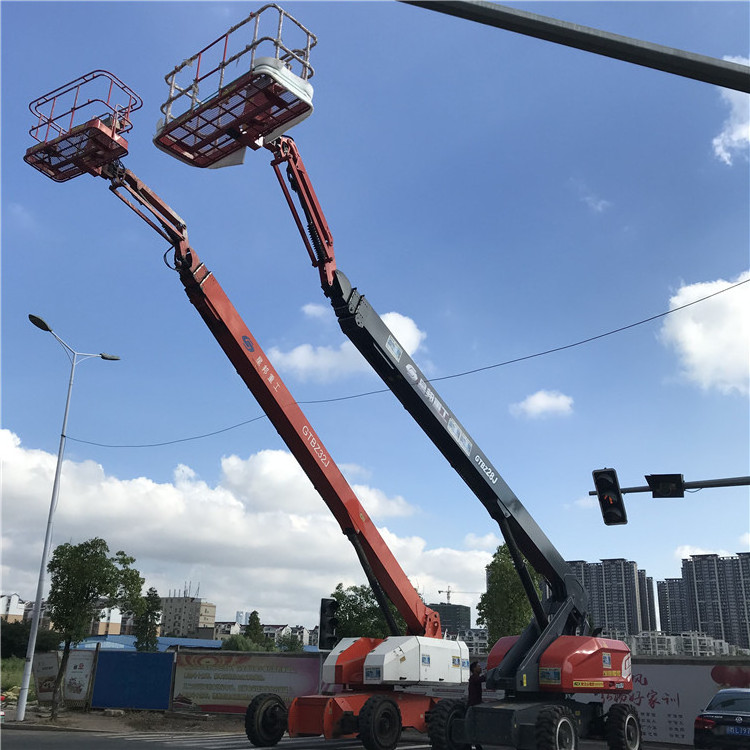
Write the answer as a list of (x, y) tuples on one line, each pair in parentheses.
[(679, 62), (261, 378), (367, 331), (702, 484)]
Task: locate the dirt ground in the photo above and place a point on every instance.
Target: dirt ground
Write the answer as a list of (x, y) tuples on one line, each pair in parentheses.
[(110, 720)]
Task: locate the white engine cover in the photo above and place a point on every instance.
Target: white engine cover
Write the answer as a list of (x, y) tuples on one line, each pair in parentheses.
[(412, 659), (328, 673)]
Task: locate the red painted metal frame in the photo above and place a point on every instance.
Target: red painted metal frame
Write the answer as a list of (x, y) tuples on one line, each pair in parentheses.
[(78, 133), (331, 716), (321, 253), (239, 113), (247, 109)]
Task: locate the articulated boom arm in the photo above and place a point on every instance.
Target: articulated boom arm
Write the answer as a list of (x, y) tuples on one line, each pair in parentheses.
[(383, 570), (564, 612)]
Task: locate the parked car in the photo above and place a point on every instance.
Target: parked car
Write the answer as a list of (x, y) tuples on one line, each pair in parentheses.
[(725, 722)]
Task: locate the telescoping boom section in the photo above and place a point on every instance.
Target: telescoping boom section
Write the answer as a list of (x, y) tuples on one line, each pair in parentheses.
[(365, 669)]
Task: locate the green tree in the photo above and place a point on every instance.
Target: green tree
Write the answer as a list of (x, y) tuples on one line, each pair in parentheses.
[(359, 614), (146, 611), (504, 608), (243, 643), (84, 580), (290, 643), (253, 629), (14, 639)]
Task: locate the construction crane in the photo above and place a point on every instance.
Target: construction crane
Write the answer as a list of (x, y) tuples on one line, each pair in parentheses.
[(450, 591)]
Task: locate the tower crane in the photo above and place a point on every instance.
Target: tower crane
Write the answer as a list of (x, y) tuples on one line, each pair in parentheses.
[(450, 591)]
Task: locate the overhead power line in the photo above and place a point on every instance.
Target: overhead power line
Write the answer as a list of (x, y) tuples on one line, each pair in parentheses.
[(462, 374)]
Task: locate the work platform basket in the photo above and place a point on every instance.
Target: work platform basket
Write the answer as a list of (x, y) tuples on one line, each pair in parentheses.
[(209, 118), (79, 126)]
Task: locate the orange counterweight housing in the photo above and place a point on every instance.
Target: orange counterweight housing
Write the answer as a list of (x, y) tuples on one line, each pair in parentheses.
[(335, 716), (584, 664), (577, 664)]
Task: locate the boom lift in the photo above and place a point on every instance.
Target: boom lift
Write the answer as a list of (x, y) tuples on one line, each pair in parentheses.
[(557, 656), (369, 674)]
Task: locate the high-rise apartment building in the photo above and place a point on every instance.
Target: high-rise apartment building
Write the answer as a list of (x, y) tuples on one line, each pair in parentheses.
[(673, 618), (647, 603), (717, 596), (621, 597)]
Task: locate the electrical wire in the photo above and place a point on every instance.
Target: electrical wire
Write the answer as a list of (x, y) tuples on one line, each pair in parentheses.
[(462, 374)]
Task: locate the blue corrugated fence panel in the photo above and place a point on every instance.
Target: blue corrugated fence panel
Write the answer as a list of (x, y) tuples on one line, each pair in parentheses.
[(127, 679)]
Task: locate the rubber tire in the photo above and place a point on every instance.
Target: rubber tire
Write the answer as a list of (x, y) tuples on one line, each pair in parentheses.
[(556, 729), (439, 721), (379, 723), (622, 729), (265, 719)]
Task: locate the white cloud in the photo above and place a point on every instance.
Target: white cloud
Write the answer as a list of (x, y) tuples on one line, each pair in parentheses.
[(712, 338), (587, 196), (734, 139), (379, 505), (315, 310), (543, 404), (405, 330), (260, 538), (487, 542), (745, 541), (22, 216), (586, 502), (326, 363)]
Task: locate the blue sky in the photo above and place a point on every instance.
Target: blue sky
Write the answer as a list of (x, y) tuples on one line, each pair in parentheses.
[(499, 195)]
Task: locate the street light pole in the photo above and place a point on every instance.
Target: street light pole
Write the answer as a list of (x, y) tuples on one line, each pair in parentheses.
[(75, 357)]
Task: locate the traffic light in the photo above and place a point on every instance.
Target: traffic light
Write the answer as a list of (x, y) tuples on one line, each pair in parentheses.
[(610, 497), (328, 622)]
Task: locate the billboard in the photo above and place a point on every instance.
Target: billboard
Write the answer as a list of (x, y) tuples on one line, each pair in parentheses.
[(226, 681)]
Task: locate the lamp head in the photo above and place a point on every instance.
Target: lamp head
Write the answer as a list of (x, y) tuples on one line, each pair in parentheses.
[(111, 357), (40, 323)]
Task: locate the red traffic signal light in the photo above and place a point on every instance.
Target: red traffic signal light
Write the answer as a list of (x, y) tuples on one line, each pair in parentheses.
[(610, 497)]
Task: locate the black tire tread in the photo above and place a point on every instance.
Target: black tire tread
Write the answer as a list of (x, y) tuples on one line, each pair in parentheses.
[(257, 733), (547, 723), (615, 729), (439, 720), (369, 721)]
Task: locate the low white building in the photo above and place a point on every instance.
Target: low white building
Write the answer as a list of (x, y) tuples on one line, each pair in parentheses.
[(476, 639), (276, 632), (12, 608), (223, 630), (302, 634), (657, 643)]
